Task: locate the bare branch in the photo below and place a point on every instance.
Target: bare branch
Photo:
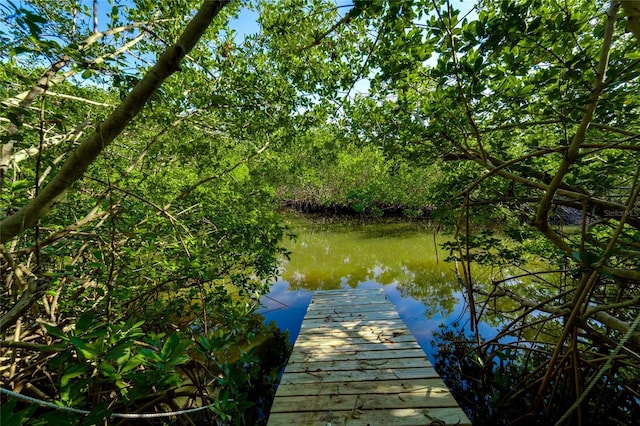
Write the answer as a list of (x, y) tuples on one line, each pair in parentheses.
[(29, 297), (23, 154), (76, 98)]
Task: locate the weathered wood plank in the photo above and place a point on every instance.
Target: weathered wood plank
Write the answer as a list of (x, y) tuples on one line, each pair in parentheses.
[(344, 300), (347, 346), (324, 294), (390, 417), (355, 362), (348, 321), (332, 307), (331, 316), (369, 334), (360, 375), (354, 343), (382, 387), (323, 355), (366, 402), (352, 364), (330, 298), (379, 333), (321, 333), (322, 342), (356, 324)]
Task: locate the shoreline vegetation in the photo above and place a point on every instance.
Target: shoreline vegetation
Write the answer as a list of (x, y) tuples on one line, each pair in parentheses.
[(562, 216), (373, 210)]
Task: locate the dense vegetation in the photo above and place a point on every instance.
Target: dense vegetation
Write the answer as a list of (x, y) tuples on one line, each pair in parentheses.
[(146, 149)]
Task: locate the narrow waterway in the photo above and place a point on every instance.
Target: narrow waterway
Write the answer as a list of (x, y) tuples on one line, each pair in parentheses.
[(404, 258)]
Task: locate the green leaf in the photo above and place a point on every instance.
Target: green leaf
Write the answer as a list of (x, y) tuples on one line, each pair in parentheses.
[(132, 363), (120, 353), (204, 342), (150, 354), (97, 416), (84, 348), (72, 372), (108, 370), (9, 418), (172, 342), (86, 322), (35, 17), (55, 331), (137, 324), (20, 184), (178, 360)]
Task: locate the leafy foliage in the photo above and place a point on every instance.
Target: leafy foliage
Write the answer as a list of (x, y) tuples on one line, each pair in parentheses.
[(528, 111), (168, 240)]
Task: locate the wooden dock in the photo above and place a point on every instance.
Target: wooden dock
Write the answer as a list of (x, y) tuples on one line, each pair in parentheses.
[(355, 362)]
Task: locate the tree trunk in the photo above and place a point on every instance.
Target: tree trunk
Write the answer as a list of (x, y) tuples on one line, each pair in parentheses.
[(87, 152)]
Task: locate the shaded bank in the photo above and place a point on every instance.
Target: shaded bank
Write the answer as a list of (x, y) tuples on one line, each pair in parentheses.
[(375, 209)]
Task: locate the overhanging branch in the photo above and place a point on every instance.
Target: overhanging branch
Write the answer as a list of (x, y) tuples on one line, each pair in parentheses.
[(82, 157)]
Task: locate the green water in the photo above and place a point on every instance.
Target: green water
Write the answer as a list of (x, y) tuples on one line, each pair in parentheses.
[(333, 255), (404, 258)]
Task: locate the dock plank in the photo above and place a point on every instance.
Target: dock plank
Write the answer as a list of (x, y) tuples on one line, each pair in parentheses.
[(350, 364), (341, 402), (359, 375), (393, 417), (355, 362), (331, 354), (380, 387)]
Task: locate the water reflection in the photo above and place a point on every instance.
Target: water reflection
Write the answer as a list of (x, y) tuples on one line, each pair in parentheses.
[(399, 256)]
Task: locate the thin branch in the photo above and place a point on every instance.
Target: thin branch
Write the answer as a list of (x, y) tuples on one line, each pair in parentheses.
[(77, 98), (12, 264), (614, 129), (465, 101), (85, 154), (23, 154), (25, 99), (346, 19), (28, 298), (31, 346), (571, 154), (228, 170)]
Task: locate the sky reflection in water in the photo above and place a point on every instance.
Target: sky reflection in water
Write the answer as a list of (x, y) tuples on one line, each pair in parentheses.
[(402, 257)]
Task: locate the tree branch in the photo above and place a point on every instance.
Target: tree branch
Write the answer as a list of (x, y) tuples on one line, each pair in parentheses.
[(21, 306), (571, 154), (79, 161), (632, 10), (189, 189)]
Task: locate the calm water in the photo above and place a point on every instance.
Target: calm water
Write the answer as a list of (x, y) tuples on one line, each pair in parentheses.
[(403, 258)]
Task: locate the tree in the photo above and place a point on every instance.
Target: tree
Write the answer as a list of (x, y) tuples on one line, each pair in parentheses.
[(151, 215), (540, 100)]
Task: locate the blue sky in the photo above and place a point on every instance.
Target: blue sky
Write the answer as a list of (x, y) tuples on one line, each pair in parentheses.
[(246, 22)]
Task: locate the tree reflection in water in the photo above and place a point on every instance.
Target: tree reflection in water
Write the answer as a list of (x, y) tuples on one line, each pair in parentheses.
[(404, 257), (495, 383)]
